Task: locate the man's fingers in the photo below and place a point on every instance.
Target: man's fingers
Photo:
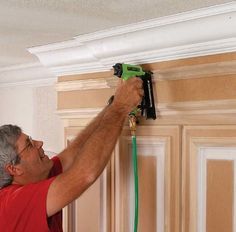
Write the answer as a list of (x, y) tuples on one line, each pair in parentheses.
[(141, 92)]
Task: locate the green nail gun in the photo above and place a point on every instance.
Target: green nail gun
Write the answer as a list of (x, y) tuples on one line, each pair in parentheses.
[(126, 71)]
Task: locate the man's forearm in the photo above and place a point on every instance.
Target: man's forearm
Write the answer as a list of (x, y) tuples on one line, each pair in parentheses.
[(84, 135), (68, 156), (97, 149)]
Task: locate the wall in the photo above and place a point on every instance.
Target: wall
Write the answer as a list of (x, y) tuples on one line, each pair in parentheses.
[(33, 108)]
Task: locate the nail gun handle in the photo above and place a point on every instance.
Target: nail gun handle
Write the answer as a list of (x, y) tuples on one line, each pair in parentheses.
[(126, 71)]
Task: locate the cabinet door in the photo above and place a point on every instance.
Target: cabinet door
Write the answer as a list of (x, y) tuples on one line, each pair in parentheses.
[(158, 150), (209, 155), (91, 211)]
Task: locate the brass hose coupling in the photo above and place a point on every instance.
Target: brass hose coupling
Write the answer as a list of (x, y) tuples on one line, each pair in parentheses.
[(132, 124)]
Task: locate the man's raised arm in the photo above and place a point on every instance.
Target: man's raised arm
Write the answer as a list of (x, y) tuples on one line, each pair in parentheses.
[(96, 150)]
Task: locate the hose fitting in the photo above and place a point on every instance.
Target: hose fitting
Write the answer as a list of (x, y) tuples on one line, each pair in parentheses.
[(132, 124)]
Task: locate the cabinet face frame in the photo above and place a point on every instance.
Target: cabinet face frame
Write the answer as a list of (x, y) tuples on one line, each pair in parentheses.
[(169, 138), (204, 146)]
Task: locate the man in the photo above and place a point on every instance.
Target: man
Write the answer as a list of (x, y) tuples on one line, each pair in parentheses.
[(35, 188)]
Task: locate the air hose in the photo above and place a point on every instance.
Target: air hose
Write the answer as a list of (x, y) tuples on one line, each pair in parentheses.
[(132, 125), (147, 109)]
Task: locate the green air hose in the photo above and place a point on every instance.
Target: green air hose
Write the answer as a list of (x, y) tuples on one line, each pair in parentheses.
[(132, 125), (147, 108), (135, 167)]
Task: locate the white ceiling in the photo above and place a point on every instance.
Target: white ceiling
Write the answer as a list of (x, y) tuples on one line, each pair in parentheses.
[(25, 24)]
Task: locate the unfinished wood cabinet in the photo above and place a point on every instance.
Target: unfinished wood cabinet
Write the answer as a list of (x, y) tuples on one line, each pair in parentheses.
[(209, 155), (158, 151), (108, 205), (207, 178), (185, 158), (186, 182)]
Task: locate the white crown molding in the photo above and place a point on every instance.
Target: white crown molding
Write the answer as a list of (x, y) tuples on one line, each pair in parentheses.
[(163, 21), (30, 83), (200, 32), (33, 74)]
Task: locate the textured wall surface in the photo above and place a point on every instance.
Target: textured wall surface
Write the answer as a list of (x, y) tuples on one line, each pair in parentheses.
[(34, 110)]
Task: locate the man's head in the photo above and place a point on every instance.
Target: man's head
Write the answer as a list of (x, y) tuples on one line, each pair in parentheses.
[(9, 134), (22, 160)]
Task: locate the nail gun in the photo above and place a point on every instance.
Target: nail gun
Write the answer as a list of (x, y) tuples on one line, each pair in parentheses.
[(126, 71)]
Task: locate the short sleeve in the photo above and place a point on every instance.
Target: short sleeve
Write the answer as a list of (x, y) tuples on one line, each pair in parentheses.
[(26, 206), (23, 208)]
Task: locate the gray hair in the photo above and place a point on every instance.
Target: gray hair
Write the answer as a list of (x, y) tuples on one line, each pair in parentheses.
[(8, 154)]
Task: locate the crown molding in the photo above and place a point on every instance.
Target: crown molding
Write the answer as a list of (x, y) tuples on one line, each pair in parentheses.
[(163, 21), (32, 74), (196, 33), (30, 83)]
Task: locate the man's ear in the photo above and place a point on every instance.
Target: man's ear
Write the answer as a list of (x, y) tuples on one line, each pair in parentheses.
[(13, 170)]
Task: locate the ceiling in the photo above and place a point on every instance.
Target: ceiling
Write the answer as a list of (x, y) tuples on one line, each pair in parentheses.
[(25, 24)]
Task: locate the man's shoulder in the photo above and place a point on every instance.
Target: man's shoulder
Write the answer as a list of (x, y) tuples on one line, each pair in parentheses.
[(57, 166), (6, 193), (9, 189)]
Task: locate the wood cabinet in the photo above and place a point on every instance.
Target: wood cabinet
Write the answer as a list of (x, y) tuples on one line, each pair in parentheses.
[(185, 158), (158, 150), (209, 154), (186, 183)]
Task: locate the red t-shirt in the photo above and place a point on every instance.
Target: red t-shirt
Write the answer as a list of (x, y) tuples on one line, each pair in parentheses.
[(23, 208)]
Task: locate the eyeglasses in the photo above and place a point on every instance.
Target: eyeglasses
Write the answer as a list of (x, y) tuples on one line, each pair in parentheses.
[(30, 143)]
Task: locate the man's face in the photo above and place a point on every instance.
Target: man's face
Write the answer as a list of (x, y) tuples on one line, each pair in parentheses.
[(34, 164)]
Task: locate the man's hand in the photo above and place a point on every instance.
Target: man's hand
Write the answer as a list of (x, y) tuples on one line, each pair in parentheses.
[(128, 94)]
